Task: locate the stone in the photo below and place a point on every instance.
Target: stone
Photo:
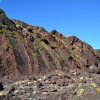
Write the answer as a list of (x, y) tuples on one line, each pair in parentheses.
[(11, 89), (62, 92), (93, 69), (98, 90), (53, 89), (1, 86), (1, 94), (6, 92), (17, 91), (60, 82), (94, 85), (52, 82), (34, 92), (80, 92), (30, 83), (45, 93), (38, 83)]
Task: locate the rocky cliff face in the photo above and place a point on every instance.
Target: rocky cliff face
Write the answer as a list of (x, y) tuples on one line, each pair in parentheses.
[(40, 65), (31, 50)]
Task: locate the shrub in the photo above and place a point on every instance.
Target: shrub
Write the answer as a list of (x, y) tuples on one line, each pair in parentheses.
[(73, 55), (34, 54), (1, 31), (40, 39), (55, 46), (1, 26), (42, 58), (22, 41), (16, 22), (37, 46), (9, 46), (60, 58), (12, 34), (11, 27)]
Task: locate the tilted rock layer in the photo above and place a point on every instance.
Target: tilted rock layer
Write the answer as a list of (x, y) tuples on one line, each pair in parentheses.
[(31, 50)]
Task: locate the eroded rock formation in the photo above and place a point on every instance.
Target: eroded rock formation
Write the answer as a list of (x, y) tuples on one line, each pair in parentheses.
[(30, 50)]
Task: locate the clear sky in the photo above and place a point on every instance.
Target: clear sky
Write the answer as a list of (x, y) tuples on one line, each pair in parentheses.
[(80, 18)]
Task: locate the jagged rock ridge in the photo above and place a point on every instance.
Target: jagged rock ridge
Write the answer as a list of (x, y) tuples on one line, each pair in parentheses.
[(31, 50)]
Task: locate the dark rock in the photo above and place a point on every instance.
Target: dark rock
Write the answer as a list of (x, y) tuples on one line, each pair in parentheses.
[(32, 38), (1, 11), (53, 89), (53, 32), (1, 86), (38, 83), (11, 89), (2, 97), (5, 20), (53, 81), (60, 82), (19, 27), (30, 29), (66, 84), (48, 77)]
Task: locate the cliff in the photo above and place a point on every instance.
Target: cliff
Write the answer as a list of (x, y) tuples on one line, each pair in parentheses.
[(30, 50)]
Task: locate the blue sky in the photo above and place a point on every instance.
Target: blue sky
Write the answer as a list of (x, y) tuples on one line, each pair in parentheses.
[(80, 18)]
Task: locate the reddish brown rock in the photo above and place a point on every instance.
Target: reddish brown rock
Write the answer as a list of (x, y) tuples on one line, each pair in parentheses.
[(34, 51)]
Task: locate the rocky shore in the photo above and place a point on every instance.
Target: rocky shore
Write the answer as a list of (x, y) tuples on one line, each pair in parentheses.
[(75, 86)]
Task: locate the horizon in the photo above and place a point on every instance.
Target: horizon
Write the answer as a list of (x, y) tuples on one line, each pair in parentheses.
[(78, 18)]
